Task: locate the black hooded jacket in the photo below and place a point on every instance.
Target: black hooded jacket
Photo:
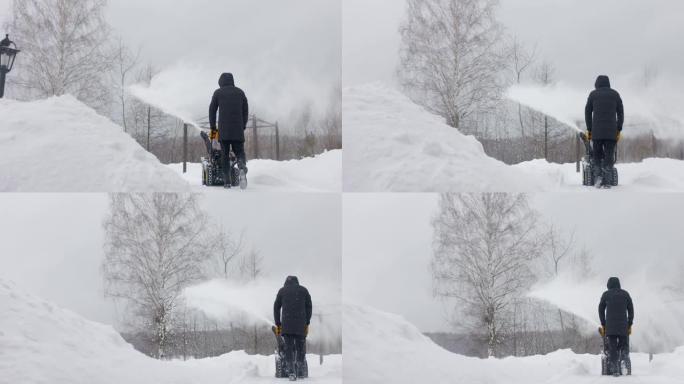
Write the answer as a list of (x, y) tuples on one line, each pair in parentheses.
[(616, 310), (231, 104), (295, 302), (604, 113)]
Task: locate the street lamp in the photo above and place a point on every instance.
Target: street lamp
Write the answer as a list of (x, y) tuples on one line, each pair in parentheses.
[(8, 52)]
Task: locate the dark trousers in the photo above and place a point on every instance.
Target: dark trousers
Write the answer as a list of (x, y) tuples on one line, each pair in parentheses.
[(238, 148), (604, 154), (616, 346), (295, 350)]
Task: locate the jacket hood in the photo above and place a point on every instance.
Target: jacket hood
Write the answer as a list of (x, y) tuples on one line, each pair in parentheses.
[(602, 81), (614, 283), (291, 280), (227, 80)]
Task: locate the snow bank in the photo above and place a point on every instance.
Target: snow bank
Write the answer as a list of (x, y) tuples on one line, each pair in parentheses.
[(384, 348), (322, 173), (392, 144), (61, 145), (41, 343)]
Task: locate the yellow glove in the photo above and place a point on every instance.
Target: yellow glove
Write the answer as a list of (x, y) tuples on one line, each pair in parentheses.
[(589, 135), (279, 330), (214, 135), (602, 331), (306, 330), (629, 331), (619, 136)]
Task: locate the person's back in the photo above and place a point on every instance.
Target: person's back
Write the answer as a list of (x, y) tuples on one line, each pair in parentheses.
[(230, 103), (292, 312), (604, 117), (616, 312)]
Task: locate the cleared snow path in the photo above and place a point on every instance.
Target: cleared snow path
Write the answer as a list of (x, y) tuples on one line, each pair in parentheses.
[(322, 173)]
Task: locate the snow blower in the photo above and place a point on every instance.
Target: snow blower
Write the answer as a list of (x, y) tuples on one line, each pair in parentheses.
[(588, 165), (212, 166), (624, 362), (281, 370)]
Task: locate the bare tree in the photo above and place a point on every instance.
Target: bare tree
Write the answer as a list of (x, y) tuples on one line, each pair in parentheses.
[(64, 48), (522, 61), (148, 121), (251, 270), (483, 249), (229, 249), (125, 61), (156, 245), (449, 60)]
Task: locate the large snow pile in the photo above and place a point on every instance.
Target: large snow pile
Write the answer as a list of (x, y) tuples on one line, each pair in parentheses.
[(41, 343), (384, 348), (322, 173), (61, 145), (392, 144)]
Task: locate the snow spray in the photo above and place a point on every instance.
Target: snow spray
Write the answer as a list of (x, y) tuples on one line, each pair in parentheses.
[(275, 92), (658, 307), (652, 108), (228, 300)]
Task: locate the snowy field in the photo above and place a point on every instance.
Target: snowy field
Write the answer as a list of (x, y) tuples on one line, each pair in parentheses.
[(41, 343), (393, 145), (384, 348), (61, 145), (322, 173)]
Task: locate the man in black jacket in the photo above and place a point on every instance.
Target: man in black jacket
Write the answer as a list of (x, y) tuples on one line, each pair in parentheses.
[(604, 116), (616, 313), (231, 104), (295, 303)]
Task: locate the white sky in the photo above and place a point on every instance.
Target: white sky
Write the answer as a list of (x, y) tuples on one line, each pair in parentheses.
[(52, 244), (290, 48), (388, 243), (582, 38)]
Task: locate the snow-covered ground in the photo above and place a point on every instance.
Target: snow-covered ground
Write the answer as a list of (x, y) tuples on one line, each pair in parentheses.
[(41, 343), (61, 145), (392, 144), (322, 173), (384, 348)]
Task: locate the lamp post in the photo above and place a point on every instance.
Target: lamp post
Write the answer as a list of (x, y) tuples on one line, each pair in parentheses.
[(8, 52)]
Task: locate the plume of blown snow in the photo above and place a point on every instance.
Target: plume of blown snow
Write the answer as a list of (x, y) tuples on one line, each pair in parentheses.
[(658, 306), (231, 300), (654, 108), (275, 92)]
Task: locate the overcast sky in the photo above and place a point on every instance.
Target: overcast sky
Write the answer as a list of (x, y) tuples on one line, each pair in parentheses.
[(52, 244), (581, 38), (388, 244), (285, 54)]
